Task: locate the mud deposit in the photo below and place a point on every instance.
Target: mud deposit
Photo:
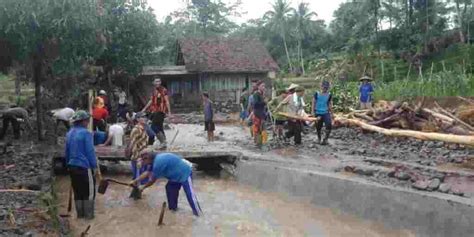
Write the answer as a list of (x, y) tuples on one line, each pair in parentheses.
[(230, 209)]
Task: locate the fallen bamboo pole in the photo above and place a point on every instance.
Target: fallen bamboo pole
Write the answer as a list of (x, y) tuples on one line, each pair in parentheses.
[(449, 138), (310, 119), (18, 191)]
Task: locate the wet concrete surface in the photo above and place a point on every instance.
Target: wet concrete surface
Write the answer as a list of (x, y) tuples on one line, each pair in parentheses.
[(230, 209)]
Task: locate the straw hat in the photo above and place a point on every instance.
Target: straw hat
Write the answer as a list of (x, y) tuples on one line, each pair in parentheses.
[(292, 86), (365, 78)]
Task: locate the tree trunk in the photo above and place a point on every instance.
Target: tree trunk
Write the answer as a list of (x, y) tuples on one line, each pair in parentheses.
[(460, 22), (37, 65), (287, 53), (301, 58)]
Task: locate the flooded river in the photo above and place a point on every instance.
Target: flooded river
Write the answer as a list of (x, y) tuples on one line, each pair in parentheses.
[(230, 209)]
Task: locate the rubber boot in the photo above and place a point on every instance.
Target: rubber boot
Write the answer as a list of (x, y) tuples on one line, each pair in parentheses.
[(89, 209), (319, 136), (326, 137), (161, 137), (79, 208)]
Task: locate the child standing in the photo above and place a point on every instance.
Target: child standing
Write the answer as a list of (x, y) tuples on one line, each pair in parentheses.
[(322, 108), (208, 117), (366, 91)]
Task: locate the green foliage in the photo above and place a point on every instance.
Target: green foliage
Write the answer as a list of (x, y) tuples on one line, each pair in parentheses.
[(441, 84), (132, 36)]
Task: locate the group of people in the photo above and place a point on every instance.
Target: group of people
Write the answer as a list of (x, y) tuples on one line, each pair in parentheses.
[(287, 110), (147, 165)]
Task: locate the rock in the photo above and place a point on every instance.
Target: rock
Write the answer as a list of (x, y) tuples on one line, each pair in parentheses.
[(364, 171), (402, 175), (444, 188), (458, 160), (439, 144), (458, 192), (33, 186), (420, 184), (434, 184), (425, 162), (29, 234)]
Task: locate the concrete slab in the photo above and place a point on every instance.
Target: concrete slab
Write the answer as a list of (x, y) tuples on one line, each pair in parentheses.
[(428, 214)]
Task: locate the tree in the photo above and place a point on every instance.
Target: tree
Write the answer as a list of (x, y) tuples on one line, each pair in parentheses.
[(51, 36), (277, 20), (303, 21)]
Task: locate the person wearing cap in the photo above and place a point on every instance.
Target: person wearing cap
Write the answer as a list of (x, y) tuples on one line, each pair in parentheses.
[(295, 106), (280, 120), (322, 108), (177, 171), (291, 89), (81, 162), (159, 106), (15, 116), (365, 93), (138, 142), (63, 116), (259, 113)]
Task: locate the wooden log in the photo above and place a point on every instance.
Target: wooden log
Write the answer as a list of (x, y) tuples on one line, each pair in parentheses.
[(449, 138), (454, 117), (290, 116), (363, 116), (438, 115), (386, 120), (466, 100)]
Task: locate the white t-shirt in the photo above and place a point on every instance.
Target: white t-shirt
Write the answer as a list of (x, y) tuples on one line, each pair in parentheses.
[(63, 114), (122, 97), (116, 132)]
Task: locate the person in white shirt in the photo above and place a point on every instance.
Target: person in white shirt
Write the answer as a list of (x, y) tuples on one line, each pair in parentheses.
[(63, 115), (122, 104), (115, 135)]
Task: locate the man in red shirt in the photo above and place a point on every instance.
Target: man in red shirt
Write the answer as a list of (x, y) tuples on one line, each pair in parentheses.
[(159, 106), (99, 115)]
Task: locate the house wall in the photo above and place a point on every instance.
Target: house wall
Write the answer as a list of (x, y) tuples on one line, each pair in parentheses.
[(225, 89), (185, 91)]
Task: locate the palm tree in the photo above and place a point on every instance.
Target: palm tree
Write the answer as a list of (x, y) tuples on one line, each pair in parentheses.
[(277, 20), (303, 22)]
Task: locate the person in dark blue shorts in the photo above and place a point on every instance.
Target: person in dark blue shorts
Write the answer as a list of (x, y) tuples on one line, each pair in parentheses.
[(322, 108), (177, 171)]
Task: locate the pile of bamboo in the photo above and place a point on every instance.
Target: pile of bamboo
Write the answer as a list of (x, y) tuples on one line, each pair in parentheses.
[(403, 120)]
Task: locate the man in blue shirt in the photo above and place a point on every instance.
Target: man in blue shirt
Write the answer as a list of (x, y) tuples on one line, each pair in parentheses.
[(365, 93), (176, 170), (81, 162), (322, 108)]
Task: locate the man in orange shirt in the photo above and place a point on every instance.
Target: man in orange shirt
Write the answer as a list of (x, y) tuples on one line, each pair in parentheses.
[(159, 106)]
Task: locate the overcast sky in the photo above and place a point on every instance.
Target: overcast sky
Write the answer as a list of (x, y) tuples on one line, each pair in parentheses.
[(253, 8)]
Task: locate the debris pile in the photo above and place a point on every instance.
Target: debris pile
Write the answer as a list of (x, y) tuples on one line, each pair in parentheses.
[(403, 120)]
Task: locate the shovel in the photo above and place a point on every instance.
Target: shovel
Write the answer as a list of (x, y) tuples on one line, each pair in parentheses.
[(104, 184)]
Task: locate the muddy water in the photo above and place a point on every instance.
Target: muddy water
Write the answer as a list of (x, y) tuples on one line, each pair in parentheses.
[(230, 209)]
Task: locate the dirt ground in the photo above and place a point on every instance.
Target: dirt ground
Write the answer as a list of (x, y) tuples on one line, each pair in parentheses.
[(407, 163)]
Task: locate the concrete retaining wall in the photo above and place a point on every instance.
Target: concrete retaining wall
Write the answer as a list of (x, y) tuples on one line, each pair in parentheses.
[(427, 214)]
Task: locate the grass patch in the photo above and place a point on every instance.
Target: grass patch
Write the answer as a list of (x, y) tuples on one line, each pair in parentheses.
[(441, 84)]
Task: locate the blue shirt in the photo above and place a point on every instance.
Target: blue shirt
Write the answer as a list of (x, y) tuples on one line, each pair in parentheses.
[(99, 137), (322, 103), (149, 131), (365, 90), (208, 113), (80, 148), (171, 167)]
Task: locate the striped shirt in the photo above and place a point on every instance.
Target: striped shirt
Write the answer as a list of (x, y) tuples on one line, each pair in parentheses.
[(138, 140)]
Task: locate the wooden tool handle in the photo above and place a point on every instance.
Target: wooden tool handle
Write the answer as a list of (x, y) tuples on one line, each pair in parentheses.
[(118, 182)]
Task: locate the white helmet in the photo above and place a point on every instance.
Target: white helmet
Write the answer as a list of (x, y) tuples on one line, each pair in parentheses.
[(102, 92)]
